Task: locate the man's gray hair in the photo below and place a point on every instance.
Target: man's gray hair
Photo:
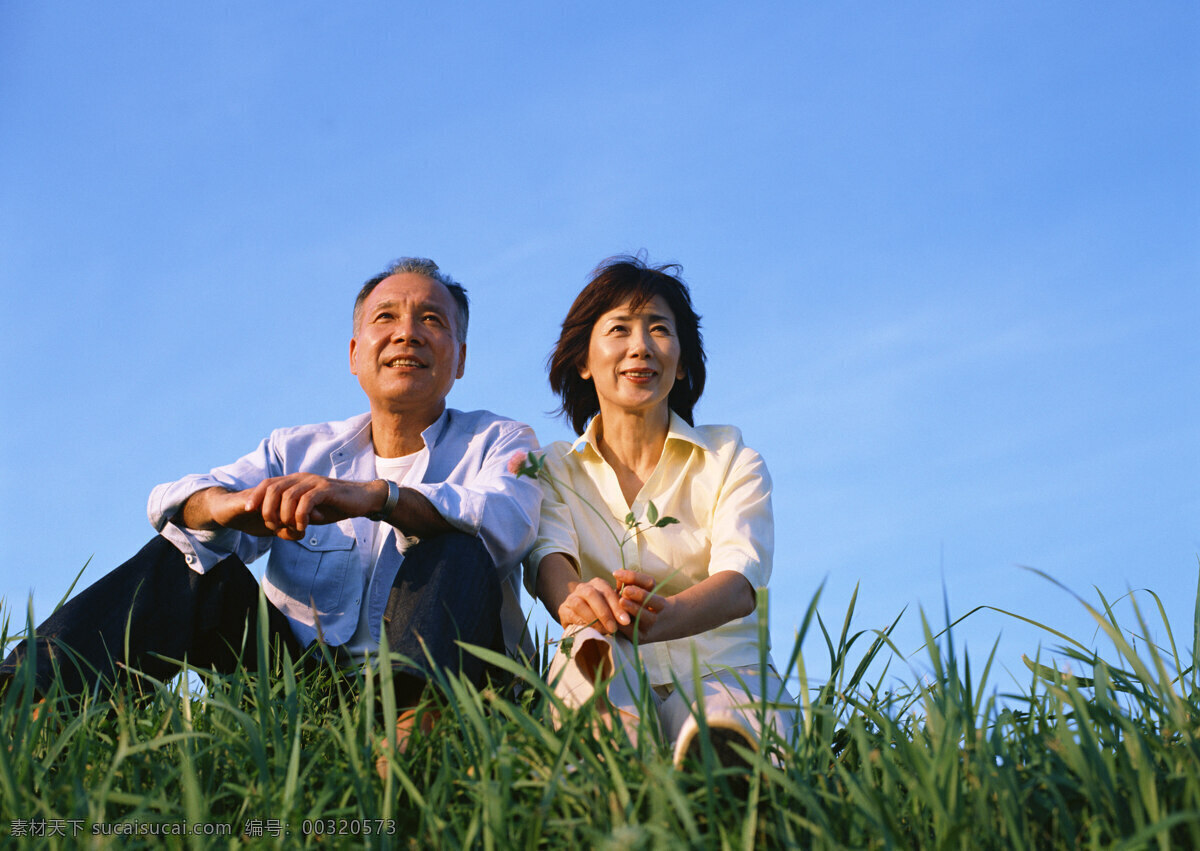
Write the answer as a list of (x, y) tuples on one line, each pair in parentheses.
[(419, 266)]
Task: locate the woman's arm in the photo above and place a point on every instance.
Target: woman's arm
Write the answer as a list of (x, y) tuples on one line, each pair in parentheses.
[(708, 604)]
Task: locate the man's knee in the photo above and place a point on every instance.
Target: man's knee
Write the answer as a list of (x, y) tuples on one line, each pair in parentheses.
[(457, 546), (459, 557), (447, 590)]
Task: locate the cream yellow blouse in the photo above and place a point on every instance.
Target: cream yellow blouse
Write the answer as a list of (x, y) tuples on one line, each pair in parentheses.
[(719, 491)]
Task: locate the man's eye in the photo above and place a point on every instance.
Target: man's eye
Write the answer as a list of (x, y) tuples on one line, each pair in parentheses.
[(383, 317), (434, 318)]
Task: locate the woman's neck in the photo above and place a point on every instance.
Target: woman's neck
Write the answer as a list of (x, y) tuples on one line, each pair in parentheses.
[(632, 442)]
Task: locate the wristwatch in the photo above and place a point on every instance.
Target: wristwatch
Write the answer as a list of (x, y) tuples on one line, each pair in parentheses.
[(393, 497)]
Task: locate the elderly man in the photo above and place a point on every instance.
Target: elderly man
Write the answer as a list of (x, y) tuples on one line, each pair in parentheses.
[(401, 526)]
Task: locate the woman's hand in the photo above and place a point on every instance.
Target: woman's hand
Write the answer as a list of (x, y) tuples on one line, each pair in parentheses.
[(637, 598), (706, 605), (633, 605), (594, 603)]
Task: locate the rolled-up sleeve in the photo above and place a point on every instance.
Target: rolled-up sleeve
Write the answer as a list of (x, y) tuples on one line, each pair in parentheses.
[(494, 504), (203, 549), (743, 531)]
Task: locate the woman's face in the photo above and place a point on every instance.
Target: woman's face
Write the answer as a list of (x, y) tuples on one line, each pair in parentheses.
[(633, 357)]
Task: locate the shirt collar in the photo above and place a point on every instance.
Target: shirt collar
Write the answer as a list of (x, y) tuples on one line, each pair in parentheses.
[(432, 435), (360, 435), (437, 430), (677, 429)]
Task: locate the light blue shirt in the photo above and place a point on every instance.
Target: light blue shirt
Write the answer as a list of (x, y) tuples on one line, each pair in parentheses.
[(317, 582)]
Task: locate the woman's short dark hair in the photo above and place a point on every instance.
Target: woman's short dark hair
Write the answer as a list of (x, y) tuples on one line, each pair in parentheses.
[(614, 282)]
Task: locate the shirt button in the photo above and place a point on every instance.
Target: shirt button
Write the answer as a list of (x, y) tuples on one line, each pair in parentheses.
[(312, 541), (189, 558)]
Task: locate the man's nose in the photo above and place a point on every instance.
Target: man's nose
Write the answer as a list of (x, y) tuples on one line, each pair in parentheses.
[(407, 330)]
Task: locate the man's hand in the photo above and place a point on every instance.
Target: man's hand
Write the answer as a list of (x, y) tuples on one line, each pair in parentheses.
[(283, 506), (288, 504)]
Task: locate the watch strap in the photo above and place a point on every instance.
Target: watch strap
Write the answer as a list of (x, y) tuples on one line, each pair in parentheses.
[(393, 497)]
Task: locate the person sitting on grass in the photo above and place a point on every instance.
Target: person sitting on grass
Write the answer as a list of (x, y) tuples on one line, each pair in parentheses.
[(629, 367), (401, 524)]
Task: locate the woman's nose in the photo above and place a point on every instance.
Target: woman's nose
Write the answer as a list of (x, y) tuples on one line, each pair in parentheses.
[(639, 344)]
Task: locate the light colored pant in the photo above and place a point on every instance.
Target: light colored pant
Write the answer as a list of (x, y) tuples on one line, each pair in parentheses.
[(728, 697)]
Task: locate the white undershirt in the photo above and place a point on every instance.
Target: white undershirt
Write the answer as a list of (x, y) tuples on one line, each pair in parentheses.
[(361, 645)]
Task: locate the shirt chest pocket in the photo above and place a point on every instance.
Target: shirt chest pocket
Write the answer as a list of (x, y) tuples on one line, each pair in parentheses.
[(677, 557), (313, 570)]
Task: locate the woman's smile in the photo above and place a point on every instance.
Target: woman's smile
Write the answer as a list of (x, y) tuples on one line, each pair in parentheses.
[(639, 375)]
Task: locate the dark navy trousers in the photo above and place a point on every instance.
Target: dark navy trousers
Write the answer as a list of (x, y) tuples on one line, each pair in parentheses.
[(153, 611)]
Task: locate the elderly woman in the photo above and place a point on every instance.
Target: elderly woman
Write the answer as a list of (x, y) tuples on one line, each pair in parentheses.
[(678, 593)]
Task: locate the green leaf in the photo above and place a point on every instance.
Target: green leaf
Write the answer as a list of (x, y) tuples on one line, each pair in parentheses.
[(1052, 675), (665, 521), (630, 520), (531, 466), (651, 514)]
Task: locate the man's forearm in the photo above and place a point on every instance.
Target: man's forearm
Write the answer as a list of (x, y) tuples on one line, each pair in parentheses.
[(415, 516), (196, 511)]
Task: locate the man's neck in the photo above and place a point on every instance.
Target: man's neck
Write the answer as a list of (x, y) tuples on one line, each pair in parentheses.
[(396, 433)]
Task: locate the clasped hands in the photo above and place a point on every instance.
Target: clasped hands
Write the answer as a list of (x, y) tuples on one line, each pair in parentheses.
[(631, 605), (285, 506)]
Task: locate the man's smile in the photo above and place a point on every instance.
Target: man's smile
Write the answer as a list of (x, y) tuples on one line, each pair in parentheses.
[(405, 361)]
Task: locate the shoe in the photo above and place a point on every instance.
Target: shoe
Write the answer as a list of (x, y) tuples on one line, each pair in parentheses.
[(408, 724), (725, 735)]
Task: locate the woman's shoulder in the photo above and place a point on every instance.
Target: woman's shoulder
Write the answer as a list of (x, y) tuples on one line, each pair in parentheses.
[(726, 447), (557, 450), (721, 439), (560, 455), (720, 435)]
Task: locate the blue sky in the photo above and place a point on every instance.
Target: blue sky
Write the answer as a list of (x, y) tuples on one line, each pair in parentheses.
[(947, 257)]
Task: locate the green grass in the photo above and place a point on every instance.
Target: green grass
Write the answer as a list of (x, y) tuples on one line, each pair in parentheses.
[(1108, 758)]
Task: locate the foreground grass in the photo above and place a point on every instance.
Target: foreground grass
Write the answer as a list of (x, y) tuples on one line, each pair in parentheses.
[(1110, 760)]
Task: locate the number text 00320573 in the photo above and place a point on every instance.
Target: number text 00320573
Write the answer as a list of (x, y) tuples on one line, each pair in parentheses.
[(347, 827)]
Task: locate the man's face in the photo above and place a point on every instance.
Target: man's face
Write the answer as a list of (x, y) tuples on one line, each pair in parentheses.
[(405, 350)]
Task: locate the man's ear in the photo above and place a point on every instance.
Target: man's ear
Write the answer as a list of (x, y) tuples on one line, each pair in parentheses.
[(353, 365), (462, 360)]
